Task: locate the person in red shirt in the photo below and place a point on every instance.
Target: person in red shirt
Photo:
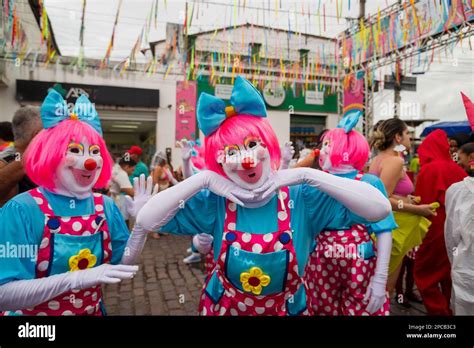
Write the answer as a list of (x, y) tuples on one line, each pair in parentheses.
[(432, 268)]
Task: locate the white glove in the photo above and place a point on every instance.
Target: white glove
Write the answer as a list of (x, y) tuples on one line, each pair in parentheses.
[(103, 274), (203, 242), (348, 192), (21, 294), (186, 149), (186, 152), (142, 193), (134, 246), (287, 153), (376, 291), (225, 188), (166, 204)]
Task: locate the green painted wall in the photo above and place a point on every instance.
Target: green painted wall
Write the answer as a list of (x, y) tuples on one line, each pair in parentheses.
[(298, 103)]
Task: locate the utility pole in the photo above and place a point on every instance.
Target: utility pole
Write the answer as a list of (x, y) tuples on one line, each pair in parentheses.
[(361, 9), (397, 98)]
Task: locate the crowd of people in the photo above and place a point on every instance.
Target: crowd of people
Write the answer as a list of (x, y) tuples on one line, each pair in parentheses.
[(350, 224)]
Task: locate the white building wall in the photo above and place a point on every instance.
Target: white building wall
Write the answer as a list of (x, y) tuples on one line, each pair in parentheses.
[(280, 121), (165, 130), (332, 120), (166, 114)]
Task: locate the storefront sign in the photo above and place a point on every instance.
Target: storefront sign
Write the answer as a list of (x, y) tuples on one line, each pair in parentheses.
[(27, 91), (314, 98), (274, 94), (223, 91)]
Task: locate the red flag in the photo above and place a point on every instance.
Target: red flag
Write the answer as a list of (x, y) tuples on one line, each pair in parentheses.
[(469, 109)]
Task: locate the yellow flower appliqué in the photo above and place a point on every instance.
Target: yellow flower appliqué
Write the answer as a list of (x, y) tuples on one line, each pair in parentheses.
[(85, 259), (254, 280)]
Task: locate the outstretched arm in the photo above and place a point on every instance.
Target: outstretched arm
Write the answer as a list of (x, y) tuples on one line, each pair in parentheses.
[(21, 294), (161, 208), (361, 198)]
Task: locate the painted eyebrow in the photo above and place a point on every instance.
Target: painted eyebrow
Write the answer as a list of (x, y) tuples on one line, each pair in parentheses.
[(249, 138), (74, 143), (228, 147)]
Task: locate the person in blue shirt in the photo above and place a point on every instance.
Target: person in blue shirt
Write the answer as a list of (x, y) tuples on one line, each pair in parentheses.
[(262, 220), (59, 242), (344, 276)]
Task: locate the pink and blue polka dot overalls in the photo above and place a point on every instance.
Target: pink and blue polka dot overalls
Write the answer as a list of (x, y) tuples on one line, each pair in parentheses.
[(337, 274), (255, 274), (70, 244)]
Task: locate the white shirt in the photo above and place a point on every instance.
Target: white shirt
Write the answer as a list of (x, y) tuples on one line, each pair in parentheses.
[(459, 236), (119, 181)]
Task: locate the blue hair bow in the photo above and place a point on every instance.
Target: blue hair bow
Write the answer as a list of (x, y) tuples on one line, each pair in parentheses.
[(349, 120), (245, 99), (54, 110)]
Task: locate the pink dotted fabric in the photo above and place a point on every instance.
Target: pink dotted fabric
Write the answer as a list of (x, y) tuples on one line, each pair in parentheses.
[(75, 302), (237, 302), (336, 285), (338, 278)]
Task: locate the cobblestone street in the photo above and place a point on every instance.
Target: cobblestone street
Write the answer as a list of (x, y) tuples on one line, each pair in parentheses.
[(165, 285)]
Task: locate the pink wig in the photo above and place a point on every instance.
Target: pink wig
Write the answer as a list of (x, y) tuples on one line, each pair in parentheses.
[(233, 131), (347, 148), (47, 150)]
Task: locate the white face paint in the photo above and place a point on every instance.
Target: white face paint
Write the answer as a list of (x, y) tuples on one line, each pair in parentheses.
[(80, 169), (247, 164), (324, 155)]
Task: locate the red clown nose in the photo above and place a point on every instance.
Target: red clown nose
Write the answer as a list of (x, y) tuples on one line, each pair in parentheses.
[(247, 163), (90, 164)]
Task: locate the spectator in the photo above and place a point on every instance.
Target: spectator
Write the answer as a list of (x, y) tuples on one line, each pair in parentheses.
[(455, 142), (120, 184), (390, 139), (459, 233), (465, 157), (162, 171), (141, 168), (13, 180), (432, 268), (6, 135)]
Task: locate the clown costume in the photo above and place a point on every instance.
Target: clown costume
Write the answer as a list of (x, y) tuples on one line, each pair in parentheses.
[(78, 239), (344, 275), (262, 219)]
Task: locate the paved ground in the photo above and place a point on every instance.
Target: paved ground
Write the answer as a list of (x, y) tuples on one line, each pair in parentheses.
[(163, 286), (166, 286)]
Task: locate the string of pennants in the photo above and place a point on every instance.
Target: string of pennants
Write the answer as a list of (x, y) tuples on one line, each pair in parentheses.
[(374, 36)]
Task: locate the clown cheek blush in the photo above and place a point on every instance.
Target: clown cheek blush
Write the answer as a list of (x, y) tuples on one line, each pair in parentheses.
[(70, 161), (261, 153), (232, 166)]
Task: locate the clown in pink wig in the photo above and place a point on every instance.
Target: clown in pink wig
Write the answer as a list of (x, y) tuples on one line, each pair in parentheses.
[(344, 274), (247, 205), (76, 238), (193, 156), (202, 243)]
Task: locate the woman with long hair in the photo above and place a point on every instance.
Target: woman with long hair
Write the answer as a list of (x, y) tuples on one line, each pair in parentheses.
[(391, 139)]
